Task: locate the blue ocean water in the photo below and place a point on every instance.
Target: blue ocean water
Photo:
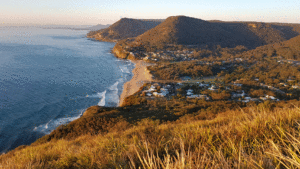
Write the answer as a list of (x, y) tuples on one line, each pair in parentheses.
[(48, 77)]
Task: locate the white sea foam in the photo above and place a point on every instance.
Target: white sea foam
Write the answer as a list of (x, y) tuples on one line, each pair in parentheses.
[(102, 101), (113, 94), (54, 123), (124, 69), (114, 86), (98, 95)]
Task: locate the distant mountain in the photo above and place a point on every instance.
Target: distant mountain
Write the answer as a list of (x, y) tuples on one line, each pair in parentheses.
[(124, 28), (192, 31), (98, 27), (74, 27)]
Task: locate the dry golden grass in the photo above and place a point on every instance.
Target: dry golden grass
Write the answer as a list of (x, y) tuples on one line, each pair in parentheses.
[(254, 138)]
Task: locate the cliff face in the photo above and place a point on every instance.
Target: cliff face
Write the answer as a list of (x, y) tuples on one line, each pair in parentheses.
[(121, 53)]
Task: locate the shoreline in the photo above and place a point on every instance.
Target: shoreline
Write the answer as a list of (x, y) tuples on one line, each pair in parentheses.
[(140, 76)]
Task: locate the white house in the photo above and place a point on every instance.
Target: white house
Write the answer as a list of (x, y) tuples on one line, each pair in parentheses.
[(189, 92), (158, 94), (239, 94), (213, 88), (164, 91), (237, 84), (199, 96), (247, 98), (203, 85), (152, 88), (270, 97), (263, 98)]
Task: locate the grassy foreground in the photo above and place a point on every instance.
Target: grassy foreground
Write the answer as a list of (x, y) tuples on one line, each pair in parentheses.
[(248, 138)]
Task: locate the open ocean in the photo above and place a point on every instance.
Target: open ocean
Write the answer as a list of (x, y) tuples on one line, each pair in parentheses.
[(49, 77)]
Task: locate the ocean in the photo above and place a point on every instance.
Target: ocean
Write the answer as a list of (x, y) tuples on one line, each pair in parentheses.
[(48, 77)]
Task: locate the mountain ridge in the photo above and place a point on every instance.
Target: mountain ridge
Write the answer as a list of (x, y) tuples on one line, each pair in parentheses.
[(185, 30)]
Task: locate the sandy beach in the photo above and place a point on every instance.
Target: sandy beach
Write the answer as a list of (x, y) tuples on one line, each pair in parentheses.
[(140, 76)]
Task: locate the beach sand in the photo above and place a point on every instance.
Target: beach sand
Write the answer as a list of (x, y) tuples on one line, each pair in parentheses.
[(140, 76)]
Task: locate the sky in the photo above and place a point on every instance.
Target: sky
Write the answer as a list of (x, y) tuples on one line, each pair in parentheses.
[(93, 12)]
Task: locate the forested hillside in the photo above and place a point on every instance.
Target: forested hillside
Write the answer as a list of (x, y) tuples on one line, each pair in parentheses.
[(124, 28)]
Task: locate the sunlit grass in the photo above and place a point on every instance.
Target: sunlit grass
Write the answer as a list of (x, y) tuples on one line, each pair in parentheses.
[(253, 138)]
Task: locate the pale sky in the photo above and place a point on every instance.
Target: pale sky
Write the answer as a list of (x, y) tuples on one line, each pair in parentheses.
[(92, 12)]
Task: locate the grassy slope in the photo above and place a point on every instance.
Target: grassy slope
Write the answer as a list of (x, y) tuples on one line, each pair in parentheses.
[(249, 138)]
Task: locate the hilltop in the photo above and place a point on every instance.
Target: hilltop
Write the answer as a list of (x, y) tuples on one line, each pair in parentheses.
[(183, 30), (124, 28)]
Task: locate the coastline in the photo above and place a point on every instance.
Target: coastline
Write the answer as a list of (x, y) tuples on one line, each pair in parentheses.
[(140, 76)]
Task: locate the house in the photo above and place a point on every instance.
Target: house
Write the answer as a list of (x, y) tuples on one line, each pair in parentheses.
[(164, 91), (199, 96), (247, 98), (272, 98), (254, 99), (203, 85), (267, 97), (238, 94), (152, 88), (213, 88), (156, 94), (131, 53), (189, 92), (146, 58), (263, 98), (283, 84), (237, 84), (290, 80), (295, 87)]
